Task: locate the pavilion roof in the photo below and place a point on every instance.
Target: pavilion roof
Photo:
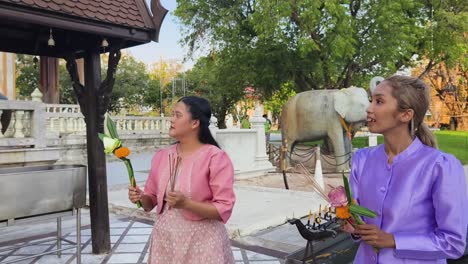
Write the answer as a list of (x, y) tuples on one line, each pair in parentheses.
[(132, 13), (76, 25)]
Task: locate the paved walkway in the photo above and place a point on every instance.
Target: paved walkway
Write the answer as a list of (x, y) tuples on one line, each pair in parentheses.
[(130, 235), (129, 243), (257, 208), (129, 247)]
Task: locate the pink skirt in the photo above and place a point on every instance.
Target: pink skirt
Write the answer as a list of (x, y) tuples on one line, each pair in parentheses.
[(176, 240)]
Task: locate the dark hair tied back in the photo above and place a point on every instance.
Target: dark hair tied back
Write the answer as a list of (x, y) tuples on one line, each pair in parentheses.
[(200, 109)]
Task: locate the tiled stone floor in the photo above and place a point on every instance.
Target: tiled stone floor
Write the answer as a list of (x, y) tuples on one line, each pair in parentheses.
[(129, 243)]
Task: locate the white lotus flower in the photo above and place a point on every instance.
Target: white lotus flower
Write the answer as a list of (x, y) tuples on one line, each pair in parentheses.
[(110, 144)]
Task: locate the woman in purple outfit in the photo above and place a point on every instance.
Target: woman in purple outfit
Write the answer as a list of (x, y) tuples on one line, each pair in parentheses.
[(418, 192)]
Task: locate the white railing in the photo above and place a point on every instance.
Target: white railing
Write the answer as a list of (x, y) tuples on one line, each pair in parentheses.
[(62, 108), (68, 119), (140, 124), (26, 126), (64, 119), (33, 122)]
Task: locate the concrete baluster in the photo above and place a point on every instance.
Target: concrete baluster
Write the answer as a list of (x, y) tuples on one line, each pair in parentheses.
[(11, 127), (258, 123), (70, 125), (126, 125), (19, 124), (27, 123), (138, 125), (61, 125)]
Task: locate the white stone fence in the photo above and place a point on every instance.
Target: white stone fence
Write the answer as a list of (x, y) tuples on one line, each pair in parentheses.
[(245, 147), (64, 119), (68, 119), (26, 126), (32, 123), (140, 124)]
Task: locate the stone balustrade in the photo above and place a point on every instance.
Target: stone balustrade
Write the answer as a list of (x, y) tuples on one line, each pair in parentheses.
[(62, 108), (64, 119), (142, 125), (33, 123), (68, 119), (58, 133), (41, 133), (26, 126)]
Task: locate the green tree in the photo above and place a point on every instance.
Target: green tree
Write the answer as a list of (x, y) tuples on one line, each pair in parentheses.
[(131, 82), (217, 78), (27, 74), (162, 74), (279, 98), (67, 95), (444, 64), (151, 95), (323, 44), (447, 36)]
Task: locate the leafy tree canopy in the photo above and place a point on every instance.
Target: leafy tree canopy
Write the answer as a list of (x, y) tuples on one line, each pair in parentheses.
[(325, 43)]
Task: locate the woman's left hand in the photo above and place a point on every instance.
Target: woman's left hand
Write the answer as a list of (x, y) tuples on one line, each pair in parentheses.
[(374, 236), (176, 200)]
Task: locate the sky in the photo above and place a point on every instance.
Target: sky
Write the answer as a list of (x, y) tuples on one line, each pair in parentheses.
[(168, 47)]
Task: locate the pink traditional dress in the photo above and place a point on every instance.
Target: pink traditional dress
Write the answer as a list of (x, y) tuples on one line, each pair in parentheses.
[(180, 236)]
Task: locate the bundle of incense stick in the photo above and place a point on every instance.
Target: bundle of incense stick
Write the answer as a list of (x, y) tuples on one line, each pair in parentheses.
[(301, 169), (174, 163)]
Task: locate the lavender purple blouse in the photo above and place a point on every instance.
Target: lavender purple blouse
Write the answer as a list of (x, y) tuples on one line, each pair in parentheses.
[(420, 198)]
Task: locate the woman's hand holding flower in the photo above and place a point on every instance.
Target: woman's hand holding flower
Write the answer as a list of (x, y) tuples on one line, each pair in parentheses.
[(374, 236), (135, 194)]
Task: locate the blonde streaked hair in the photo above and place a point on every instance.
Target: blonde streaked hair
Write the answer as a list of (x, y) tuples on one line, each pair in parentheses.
[(413, 93)]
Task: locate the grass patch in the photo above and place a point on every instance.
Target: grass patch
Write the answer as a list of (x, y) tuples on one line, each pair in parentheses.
[(363, 142), (454, 142)]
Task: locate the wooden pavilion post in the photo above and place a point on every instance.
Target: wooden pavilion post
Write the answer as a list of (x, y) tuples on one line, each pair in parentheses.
[(27, 28), (94, 99), (96, 158), (49, 74)]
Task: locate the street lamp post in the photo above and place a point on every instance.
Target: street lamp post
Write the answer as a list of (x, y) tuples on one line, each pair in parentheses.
[(161, 97)]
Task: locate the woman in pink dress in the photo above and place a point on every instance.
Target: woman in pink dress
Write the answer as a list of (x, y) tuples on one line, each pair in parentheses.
[(191, 184)]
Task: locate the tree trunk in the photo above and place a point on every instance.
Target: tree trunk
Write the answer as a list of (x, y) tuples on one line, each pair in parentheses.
[(453, 124), (462, 123), (303, 83), (222, 113)]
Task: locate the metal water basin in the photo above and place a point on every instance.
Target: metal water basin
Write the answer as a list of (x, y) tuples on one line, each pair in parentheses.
[(39, 190)]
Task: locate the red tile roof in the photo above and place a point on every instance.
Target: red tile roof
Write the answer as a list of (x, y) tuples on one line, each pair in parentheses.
[(133, 13)]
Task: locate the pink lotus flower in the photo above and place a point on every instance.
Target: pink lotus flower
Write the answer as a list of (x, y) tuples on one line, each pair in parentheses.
[(338, 197)]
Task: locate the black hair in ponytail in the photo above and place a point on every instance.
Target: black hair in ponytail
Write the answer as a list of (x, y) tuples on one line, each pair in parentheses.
[(200, 109)]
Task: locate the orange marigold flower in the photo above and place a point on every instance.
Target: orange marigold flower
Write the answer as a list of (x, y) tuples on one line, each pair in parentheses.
[(122, 152), (342, 212)]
